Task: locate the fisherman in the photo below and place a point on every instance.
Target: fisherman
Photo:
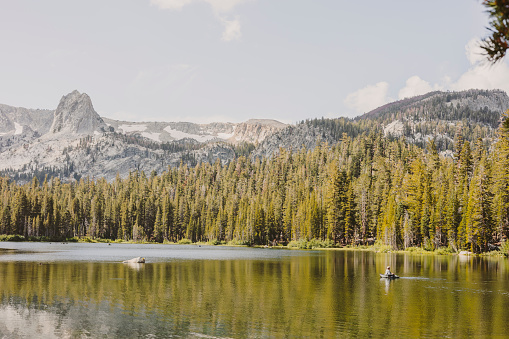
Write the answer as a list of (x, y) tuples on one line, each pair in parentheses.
[(388, 271)]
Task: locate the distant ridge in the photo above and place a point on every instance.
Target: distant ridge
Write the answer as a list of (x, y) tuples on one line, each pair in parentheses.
[(73, 141), (482, 106), (400, 104)]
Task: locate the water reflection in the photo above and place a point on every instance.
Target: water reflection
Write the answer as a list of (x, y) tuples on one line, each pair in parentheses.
[(309, 294), (387, 283), (135, 266)]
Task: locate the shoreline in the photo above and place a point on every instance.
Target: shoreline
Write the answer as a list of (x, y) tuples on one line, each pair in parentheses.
[(293, 245)]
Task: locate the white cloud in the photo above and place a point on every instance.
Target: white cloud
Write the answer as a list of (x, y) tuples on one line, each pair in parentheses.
[(223, 6), (474, 52), (484, 77), (480, 75), (231, 27), (231, 30), (416, 86), (368, 98), (170, 4), (219, 6)]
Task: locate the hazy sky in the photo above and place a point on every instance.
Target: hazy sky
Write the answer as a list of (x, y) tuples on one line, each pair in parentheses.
[(231, 60)]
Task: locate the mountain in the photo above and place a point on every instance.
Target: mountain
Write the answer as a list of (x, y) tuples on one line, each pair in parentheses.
[(16, 120), (75, 114), (441, 116), (253, 131), (73, 141)]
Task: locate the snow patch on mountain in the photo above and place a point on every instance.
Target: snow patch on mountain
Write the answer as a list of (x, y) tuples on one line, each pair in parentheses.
[(253, 131), (132, 128), (152, 136), (225, 136), (179, 135)]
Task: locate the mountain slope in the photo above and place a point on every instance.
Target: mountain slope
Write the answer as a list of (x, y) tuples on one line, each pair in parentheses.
[(74, 141), (14, 120), (251, 131), (473, 114), (474, 106)]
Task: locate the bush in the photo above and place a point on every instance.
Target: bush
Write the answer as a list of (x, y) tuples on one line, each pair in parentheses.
[(216, 242), (317, 243), (428, 244), (504, 248), (493, 254), (444, 251), (294, 244), (313, 243), (414, 249), (382, 248), (15, 237), (184, 241), (236, 242)]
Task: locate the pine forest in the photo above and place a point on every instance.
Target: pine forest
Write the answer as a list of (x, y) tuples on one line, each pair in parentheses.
[(361, 190)]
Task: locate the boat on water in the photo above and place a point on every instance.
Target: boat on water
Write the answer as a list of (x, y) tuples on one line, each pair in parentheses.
[(389, 276)]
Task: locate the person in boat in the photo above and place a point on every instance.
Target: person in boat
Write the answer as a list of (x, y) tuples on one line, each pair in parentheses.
[(388, 271)]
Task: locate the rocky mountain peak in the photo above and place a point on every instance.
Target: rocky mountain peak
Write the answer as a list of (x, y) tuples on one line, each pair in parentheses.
[(75, 114)]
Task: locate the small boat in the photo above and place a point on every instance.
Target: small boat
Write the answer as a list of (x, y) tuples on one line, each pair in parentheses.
[(389, 276)]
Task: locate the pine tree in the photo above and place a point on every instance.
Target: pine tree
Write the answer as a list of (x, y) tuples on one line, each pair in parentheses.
[(501, 179), (479, 230), (158, 227)]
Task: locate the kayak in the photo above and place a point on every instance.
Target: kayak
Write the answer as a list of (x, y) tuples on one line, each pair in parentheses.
[(390, 276)]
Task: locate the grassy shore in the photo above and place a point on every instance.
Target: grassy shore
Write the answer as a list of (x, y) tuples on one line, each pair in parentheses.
[(380, 248), (301, 244), (502, 252)]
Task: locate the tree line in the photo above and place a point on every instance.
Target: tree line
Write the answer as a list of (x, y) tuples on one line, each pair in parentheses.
[(363, 189)]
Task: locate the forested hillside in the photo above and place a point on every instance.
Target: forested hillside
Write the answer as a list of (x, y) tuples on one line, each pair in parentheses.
[(367, 187), (436, 115)]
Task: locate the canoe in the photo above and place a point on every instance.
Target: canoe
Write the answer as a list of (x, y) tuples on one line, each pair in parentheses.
[(392, 276)]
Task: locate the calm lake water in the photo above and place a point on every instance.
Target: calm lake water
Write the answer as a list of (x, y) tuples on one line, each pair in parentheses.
[(83, 290)]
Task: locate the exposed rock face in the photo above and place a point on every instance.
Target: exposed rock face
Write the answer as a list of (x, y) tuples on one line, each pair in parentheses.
[(292, 137), (394, 129), (106, 156), (256, 130), (253, 131), (13, 120), (75, 114)]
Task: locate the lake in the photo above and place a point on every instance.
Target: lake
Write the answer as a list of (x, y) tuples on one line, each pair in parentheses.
[(187, 291)]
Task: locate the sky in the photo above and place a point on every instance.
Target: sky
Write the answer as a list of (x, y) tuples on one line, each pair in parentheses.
[(233, 60)]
